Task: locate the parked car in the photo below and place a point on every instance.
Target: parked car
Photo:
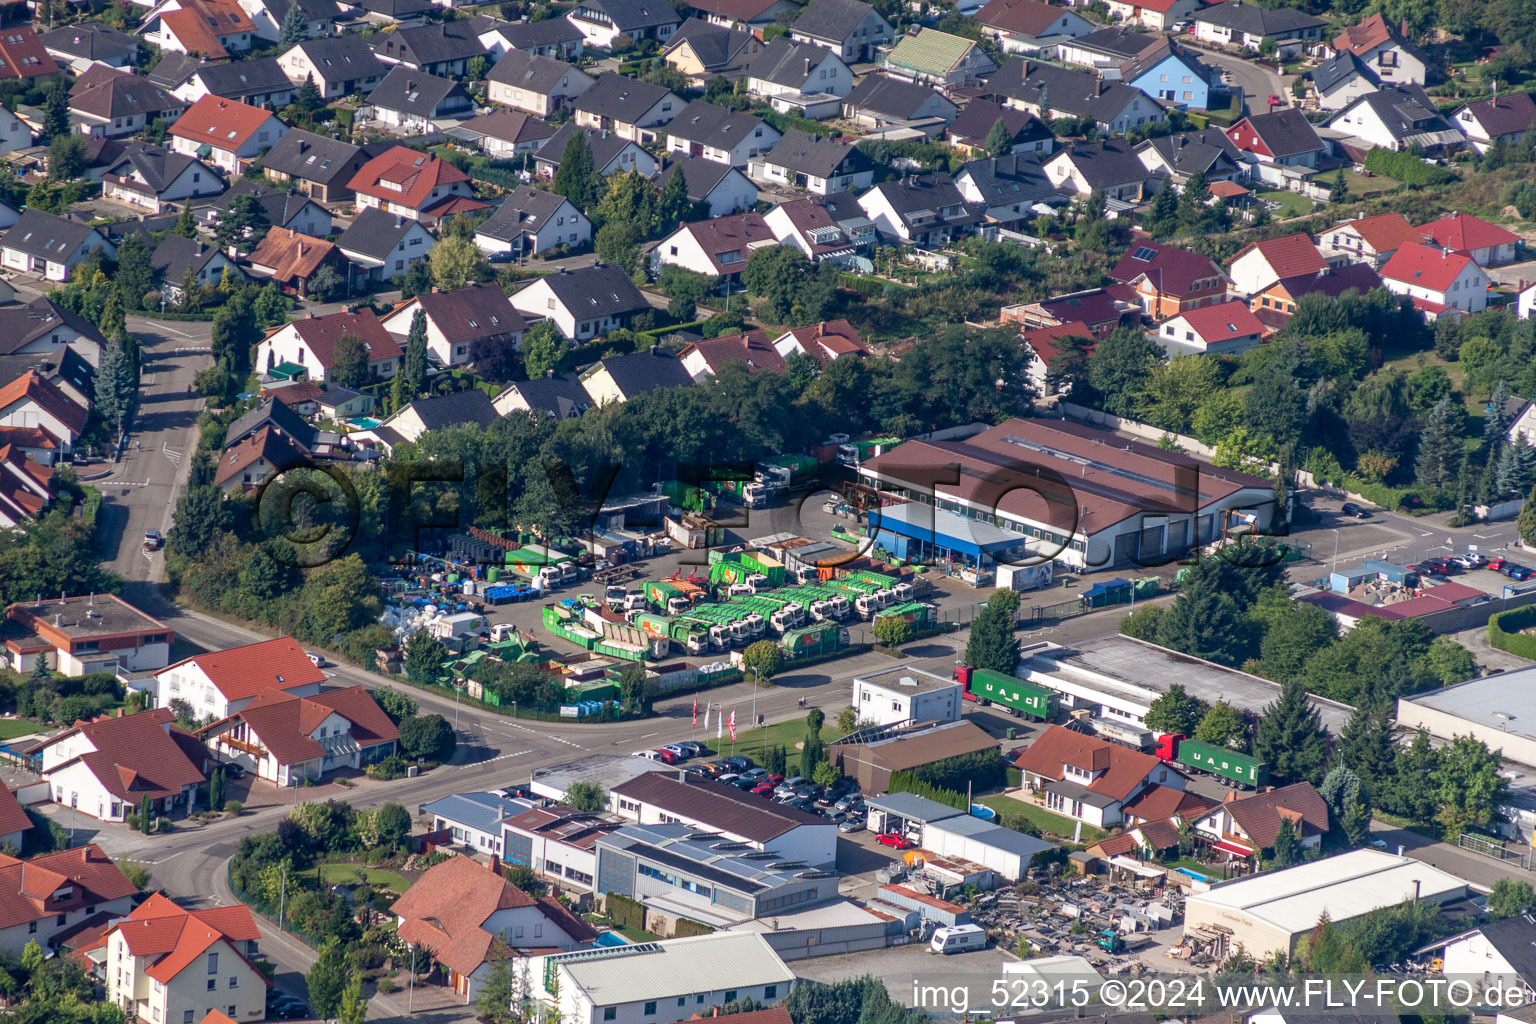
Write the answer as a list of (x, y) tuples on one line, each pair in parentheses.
[(1521, 573), (234, 771), (1496, 564), (851, 825), (788, 786), (849, 801), (835, 816), (836, 791), (1275, 100), (755, 774), (742, 782), (775, 778), (718, 767), (666, 756), (679, 750), (763, 789), (894, 840), (727, 777), (738, 762), (694, 749), (1470, 560), (649, 755), (153, 541), (1349, 508)]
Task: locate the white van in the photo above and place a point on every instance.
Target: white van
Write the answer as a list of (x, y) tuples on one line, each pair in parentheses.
[(959, 938)]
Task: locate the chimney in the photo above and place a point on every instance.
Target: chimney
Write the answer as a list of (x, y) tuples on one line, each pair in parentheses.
[(653, 349), (807, 67), (495, 864), (550, 372)]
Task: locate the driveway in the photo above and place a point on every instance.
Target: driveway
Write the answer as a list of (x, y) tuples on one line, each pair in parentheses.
[(1258, 83)]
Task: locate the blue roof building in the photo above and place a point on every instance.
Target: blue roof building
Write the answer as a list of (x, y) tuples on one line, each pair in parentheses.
[(474, 819)]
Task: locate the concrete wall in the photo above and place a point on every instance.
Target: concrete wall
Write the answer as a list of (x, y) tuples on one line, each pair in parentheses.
[(796, 944), (1446, 725)]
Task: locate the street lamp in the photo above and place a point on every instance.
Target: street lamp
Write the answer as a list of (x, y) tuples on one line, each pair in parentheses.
[(1335, 550)]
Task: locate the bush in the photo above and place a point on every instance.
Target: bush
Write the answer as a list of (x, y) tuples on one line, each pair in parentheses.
[(1406, 167), (233, 807), (1504, 631)]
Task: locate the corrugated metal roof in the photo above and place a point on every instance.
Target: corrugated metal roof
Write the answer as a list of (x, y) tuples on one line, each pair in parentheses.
[(675, 967)]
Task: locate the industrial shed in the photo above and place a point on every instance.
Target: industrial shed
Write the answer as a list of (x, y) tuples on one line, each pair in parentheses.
[(1499, 709), (872, 763), (1003, 850)]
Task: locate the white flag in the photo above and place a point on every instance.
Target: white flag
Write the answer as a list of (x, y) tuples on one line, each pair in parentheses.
[(720, 723), (707, 708)]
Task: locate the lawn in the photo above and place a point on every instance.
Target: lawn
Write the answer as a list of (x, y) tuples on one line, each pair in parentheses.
[(1042, 819), (345, 873), (10, 728), (1360, 186), (753, 742), (1292, 204)]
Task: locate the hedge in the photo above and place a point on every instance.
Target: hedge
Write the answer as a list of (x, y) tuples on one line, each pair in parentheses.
[(625, 912), (1406, 167), (1504, 631), (657, 333), (906, 782)]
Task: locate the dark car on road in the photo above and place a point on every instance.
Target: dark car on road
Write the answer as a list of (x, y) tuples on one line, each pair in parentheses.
[(1349, 508)]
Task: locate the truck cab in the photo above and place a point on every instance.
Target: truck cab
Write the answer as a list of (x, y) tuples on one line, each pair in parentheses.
[(1110, 941)]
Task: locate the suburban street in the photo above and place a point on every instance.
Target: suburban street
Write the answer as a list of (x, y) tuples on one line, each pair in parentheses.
[(1258, 83)]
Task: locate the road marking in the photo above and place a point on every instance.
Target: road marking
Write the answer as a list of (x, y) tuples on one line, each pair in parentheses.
[(168, 327), (569, 743), (171, 453), (162, 860), (1485, 536), (503, 757)]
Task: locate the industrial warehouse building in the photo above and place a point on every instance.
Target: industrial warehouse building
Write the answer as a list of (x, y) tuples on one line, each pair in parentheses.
[(1033, 489), (660, 798), (1269, 913), (1499, 709), (875, 757), (950, 833), (895, 696)]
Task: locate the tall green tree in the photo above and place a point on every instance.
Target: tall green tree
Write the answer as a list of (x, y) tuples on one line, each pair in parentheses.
[(1286, 851), (414, 369), (543, 347), (242, 224), (999, 140), (494, 1002), (1471, 790), (1290, 736), (424, 656), (1206, 623), (349, 360), (1224, 726), (1119, 369), (135, 274), (1175, 712), (117, 385), (576, 177), (1366, 747), (1440, 447), (327, 979), (673, 206), (186, 223), (294, 30), (992, 643), (56, 109)]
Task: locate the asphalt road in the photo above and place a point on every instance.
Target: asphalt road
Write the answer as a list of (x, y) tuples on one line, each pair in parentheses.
[(1257, 83)]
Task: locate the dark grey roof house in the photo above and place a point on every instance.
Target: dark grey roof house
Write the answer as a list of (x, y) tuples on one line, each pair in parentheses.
[(155, 174), (91, 42), (1208, 151), (260, 82), (1016, 180), (608, 149), (551, 37), (625, 101), (279, 417), (886, 98), (850, 28), (443, 49), (375, 233), (719, 50), (561, 397), (411, 98), (623, 377), (703, 126), (638, 19), (283, 209), (321, 166), (470, 407)]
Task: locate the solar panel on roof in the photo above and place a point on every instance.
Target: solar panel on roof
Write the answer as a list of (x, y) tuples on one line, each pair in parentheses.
[(1145, 253)]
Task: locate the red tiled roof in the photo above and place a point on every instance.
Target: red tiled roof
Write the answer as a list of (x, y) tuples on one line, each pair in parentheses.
[(1162, 802), (1227, 189), (1288, 255), (22, 54), (1259, 814), (267, 444), (284, 723), (1462, 232), (292, 256), (1385, 231), (221, 123), (1124, 769), (828, 340), (1162, 834), (322, 332), (736, 233), (27, 437), (446, 908), (178, 937), (1420, 265), (1044, 339), (1509, 114), (750, 347), (415, 174), (242, 672), (772, 1015), (33, 385), (1027, 17), (1222, 322), (1362, 38), (216, 1017), (737, 10), (12, 817), (1168, 269), (26, 885), (135, 756)]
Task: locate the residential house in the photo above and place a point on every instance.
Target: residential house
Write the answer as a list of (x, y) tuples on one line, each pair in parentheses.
[(534, 83), (51, 895), (817, 164), (310, 344), (474, 819), (1275, 304), (220, 683), (412, 100), (1179, 157), (23, 56), (88, 43), (157, 179), (628, 107), (410, 184), (718, 189), (925, 210), (443, 49), (1029, 26), (1496, 951), (1170, 280), (283, 421), (461, 324), (77, 636), (258, 83), (749, 15), (341, 404), (583, 303), (1258, 265), (1339, 81), (1280, 145), (49, 245), (1089, 779), (381, 246), (468, 408), (1438, 278), (468, 917), (171, 72), (824, 342), (806, 224), (232, 133), (319, 166), (177, 260), (1395, 118), (700, 51), (620, 378), (719, 134), (1510, 118), (285, 739), (1012, 189), (339, 66), (211, 29), (799, 78), (1243, 826), (559, 397), (611, 153), (1226, 328), (245, 467), (853, 30), (716, 248), (1026, 132), (292, 259), (15, 133), (751, 348), (1171, 74), (600, 21), (1046, 345), (1110, 166), (533, 221), (164, 963), (1383, 50), (318, 16), (1100, 310), (931, 57), (507, 134), (116, 105), (40, 328), (1104, 50), (1157, 15), (879, 102), (395, 12), (552, 37), (27, 488), (282, 209), (1114, 107), (1248, 25), (1370, 240), (32, 401), (109, 767), (1487, 245)]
